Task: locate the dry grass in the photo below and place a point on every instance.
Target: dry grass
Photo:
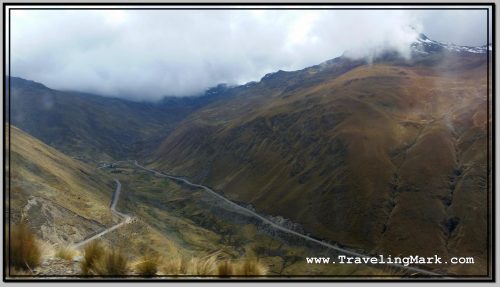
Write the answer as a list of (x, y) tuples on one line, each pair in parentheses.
[(202, 266), (65, 252), (42, 170), (148, 266), (113, 262), (100, 261), (251, 267), (92, 253), (180, 265), (25, 252), (97, 260), (244, 267), (175, 265), (225, 268), (212, 266)]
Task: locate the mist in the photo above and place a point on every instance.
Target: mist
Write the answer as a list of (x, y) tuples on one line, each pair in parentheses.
[(149, 54)]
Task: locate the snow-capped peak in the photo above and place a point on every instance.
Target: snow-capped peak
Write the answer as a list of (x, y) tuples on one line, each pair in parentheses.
[(424, 45)]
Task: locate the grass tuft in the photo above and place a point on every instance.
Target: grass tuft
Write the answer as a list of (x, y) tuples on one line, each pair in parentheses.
[(66, 253), (210, 265), (251, 267), (203, 266), (225, 268), (113, 262), (176, 265), (97, 260), (25, 252), (148, 266), (92, 253)]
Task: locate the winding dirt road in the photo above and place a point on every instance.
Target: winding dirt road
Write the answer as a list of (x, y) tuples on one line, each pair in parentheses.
[(284, 229), (125, 218)]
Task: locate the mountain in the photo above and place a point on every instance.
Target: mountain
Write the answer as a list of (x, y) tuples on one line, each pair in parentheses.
[(425, 45), (92, 127), (386, 156)]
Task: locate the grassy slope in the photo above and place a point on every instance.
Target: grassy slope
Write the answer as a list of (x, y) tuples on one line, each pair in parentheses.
[(69, 199), (197, 225), (65, 200), (386, 156)]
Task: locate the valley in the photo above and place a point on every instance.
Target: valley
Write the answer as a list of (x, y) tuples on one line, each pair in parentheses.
[(204, 224), (353, 157)]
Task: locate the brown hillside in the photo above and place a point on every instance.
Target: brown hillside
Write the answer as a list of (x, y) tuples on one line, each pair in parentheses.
[(388, 157)]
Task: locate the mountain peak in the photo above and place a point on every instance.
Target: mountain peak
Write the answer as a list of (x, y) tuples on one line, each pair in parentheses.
[(422, 36), (424, 45)]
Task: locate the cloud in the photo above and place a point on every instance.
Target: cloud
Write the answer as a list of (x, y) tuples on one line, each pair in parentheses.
[(147, 54), (462, 27)]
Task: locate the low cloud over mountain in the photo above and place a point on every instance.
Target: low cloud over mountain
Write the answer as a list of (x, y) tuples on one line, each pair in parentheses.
[(144, 55)]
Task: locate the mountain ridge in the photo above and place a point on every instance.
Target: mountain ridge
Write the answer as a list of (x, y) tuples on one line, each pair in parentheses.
[(352, 154), (383, 155)]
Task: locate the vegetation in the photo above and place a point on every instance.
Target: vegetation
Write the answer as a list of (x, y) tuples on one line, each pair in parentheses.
[(148, 266), (92, 253), (98, 260), (174, 265), (250, 267), (65, 252), (212, 266), (113, 262), (225, 268), (244, 267), (202, 266), (24, 250), (52, 179)]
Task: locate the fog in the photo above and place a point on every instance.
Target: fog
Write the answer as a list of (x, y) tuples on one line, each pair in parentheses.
[(145, 55)]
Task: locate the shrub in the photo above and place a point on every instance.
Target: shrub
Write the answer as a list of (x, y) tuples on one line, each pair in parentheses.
[(25, 252)]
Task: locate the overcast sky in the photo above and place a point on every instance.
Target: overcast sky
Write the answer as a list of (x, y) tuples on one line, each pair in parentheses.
[(144, 55)]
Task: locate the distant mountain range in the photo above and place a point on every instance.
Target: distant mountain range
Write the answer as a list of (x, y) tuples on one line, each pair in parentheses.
[(387, 156)]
